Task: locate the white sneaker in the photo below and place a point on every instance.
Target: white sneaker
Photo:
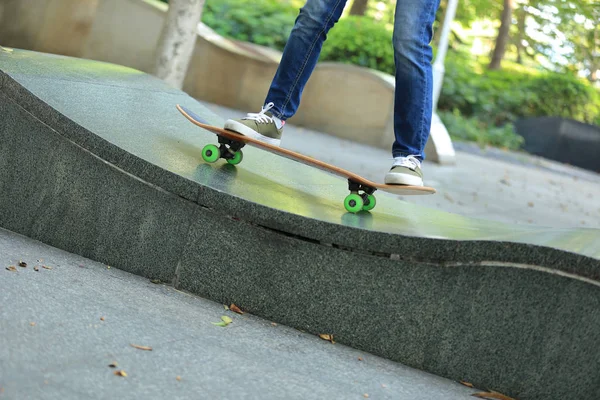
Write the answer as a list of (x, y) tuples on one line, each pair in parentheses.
[(405, 171)]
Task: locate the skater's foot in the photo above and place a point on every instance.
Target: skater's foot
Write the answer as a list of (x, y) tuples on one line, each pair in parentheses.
[(405, 171), (262, 126)]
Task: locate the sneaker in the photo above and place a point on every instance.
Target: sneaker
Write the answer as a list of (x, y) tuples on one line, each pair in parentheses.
[(262, 126), (405, 171)]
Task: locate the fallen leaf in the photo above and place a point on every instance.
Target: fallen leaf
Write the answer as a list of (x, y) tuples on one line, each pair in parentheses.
[(468, 384), (22, 264), (120, 372), (36, 269), (360, 359), (113, 365), (366, 396), (491, 395), (225, 306), (108, 267), (327, 337), (137, 346), (530, 204), (178, 378), (46, 267), (274, 323), (235, 309), (32, 323), (101, 318), (155, 281), (225, 320), (11, 268)]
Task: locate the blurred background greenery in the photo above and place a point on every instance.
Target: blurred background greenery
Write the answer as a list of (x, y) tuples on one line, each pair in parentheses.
[(550, 65)]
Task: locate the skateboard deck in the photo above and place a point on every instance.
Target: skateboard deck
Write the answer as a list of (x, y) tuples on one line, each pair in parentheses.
[(230, 148)]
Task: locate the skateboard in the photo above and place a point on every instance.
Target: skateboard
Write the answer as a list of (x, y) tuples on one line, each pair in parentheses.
[(230, 146)]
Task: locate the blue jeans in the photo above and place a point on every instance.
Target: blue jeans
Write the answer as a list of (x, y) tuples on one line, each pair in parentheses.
[(413, 31)]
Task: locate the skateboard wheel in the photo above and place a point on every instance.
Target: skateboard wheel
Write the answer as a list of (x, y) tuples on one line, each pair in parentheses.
[(237, 158), (369, 202), (353, 203), (210, 153)]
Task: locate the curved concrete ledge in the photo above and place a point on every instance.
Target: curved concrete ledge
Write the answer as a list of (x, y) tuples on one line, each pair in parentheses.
[(96, 160), (226, 72)]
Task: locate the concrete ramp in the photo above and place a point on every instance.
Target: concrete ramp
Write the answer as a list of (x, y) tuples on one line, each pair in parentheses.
[(95, 159)]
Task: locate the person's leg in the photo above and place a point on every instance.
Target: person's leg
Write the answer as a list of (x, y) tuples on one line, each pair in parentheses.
[(413, 31), (298, 61), (301, 53)]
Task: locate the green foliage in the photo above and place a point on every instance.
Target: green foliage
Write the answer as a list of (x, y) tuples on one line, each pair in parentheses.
[(264, 22), (504, 95), (360, 41), (564, 96), (474, 129)]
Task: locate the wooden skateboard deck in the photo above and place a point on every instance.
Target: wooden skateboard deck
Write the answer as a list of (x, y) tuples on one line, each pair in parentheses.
[(236, 141)]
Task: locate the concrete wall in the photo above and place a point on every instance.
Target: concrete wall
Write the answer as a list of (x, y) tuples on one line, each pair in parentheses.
[(222, 71)]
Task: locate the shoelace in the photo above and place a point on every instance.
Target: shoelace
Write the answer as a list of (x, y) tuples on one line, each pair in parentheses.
[(261, 117), (410, 162)]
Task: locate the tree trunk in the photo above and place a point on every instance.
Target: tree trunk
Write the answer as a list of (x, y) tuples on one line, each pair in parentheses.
[(502, 38), (359, 7), (177, 41), (521, 33)]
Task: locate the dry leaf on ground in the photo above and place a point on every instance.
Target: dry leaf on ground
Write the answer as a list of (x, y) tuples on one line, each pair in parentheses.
[(235, 309), (178, 378), (120, 372), (113, 365), (326, 336), (46, 267), (32, 323), (491, 395), (11, 268), (468, 384), (137, 346), (36, 269), (22, 264), (102, 318)]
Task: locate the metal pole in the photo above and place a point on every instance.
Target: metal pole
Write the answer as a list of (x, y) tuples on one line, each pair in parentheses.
[(438, 64)]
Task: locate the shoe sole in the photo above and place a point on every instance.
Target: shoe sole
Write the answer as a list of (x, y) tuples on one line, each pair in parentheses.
[(403, 179), (244, 130)]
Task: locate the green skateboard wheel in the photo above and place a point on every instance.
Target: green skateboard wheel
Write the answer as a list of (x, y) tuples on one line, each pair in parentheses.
[(353, 203), (369, 202), (237, 158), (210, 153)]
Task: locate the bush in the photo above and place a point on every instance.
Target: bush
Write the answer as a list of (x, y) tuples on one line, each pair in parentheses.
[(360, 41), (475, 130), (264, 22), (505, 95), (562, 95)]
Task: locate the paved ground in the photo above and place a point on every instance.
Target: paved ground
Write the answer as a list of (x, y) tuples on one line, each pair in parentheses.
[(60, 329), (490, 184)]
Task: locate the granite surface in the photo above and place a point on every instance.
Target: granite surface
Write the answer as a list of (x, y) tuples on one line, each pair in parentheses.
[(96, 160), (85, 316)]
